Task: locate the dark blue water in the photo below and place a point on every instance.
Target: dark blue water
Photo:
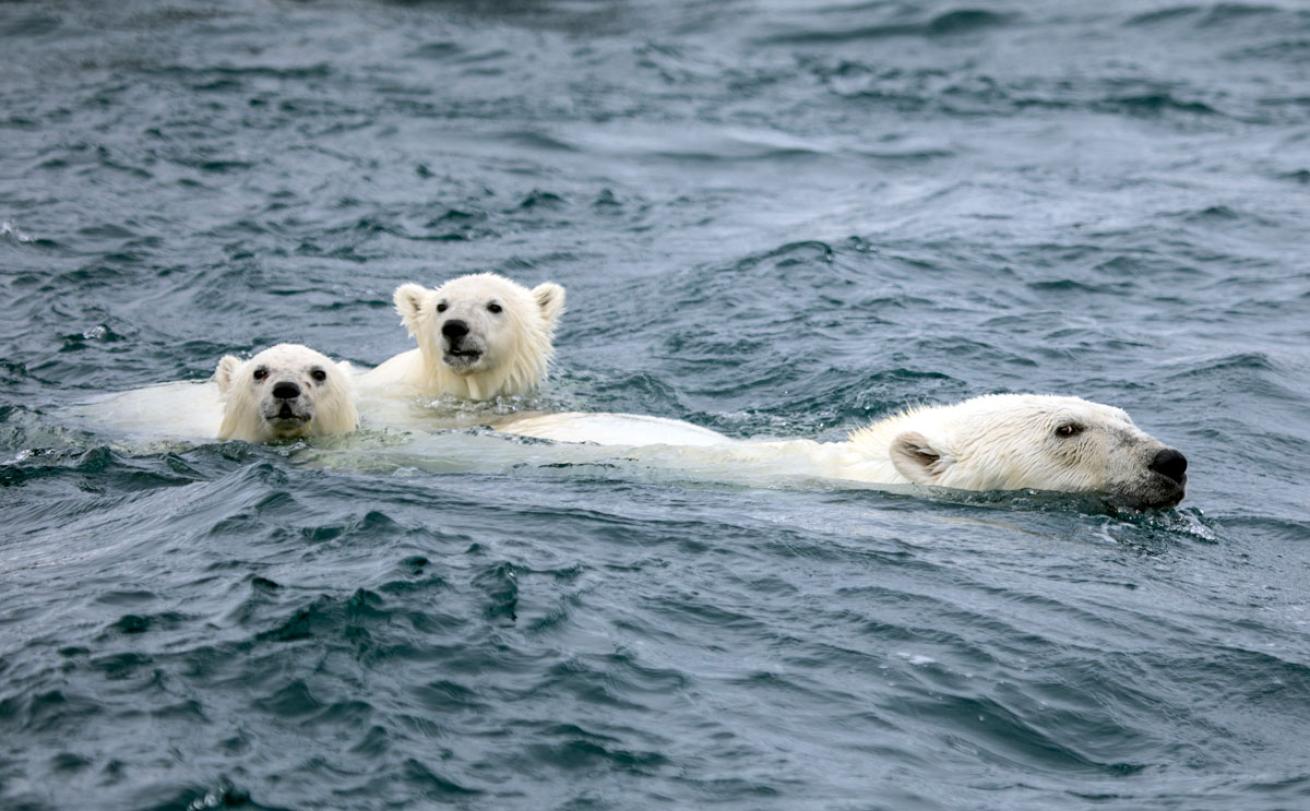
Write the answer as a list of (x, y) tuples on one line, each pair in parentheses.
[(772, 218)]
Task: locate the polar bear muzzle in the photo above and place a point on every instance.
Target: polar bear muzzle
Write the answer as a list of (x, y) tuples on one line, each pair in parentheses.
[(1171, 464), (1166, 485), (461, 351), (287, 413)]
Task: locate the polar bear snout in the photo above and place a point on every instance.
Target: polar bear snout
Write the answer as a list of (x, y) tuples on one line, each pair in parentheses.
[(464, 349), (288, 411), (1171, 464), (285, 409), (1162, 484)]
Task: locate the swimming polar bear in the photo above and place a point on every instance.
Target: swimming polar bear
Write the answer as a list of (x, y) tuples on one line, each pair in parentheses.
[(287, 391), (479, 337), (993, 442), (231, 404)]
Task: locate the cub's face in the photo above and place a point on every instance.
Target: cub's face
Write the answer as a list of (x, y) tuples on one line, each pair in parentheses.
[(285, 392), (480, 322), (1039, 442)]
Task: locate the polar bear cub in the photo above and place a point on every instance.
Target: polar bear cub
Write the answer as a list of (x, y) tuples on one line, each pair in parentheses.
[(993, 442), (479, 337), (287, 391)]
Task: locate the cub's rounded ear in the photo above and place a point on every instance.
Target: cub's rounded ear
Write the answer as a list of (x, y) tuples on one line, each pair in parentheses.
[(550, 298), (410, 299), (226, 372), (917, 459)]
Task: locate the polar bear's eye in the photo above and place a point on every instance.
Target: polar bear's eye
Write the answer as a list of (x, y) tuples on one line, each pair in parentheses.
[(261, 373), (494, 308), (318, 375), (1069, 429), (441, 308)]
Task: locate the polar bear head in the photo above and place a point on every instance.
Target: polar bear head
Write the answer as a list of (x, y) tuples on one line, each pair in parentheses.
[(1029, 441), (482, 335), (287, 391)]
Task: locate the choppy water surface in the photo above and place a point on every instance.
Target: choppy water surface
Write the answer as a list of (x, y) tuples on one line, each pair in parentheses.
[(772, 218)]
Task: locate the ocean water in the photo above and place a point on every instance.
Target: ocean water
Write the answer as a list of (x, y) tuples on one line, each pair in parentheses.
[(782, 218)]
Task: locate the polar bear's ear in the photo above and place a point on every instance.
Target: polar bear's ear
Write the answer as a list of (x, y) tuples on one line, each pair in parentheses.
[(550, 298), (226, 372), (917, 459), (409, 300)]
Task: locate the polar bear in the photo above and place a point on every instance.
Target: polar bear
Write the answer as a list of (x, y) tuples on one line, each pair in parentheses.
[(1026, 442), (993, 442), (287, 391), (479, 337)]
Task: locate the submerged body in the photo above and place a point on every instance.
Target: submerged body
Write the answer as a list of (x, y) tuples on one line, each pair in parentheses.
[(993, 442), (179, 411), (633, 430)]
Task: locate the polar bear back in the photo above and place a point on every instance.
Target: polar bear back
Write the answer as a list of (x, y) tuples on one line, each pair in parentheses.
[(633, 430), (181, 410)]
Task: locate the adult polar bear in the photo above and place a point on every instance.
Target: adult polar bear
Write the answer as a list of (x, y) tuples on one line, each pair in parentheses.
[(993, 442), (479, 337)]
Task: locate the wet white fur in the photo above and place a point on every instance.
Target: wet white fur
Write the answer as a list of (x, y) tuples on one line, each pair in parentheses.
[(518, 342), (993, 442), (329, 404), (177, 411), (1009, 442)]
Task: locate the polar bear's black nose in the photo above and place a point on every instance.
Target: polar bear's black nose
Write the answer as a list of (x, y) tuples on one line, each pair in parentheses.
[(1170, 464), (454, 329), (286, 390)]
